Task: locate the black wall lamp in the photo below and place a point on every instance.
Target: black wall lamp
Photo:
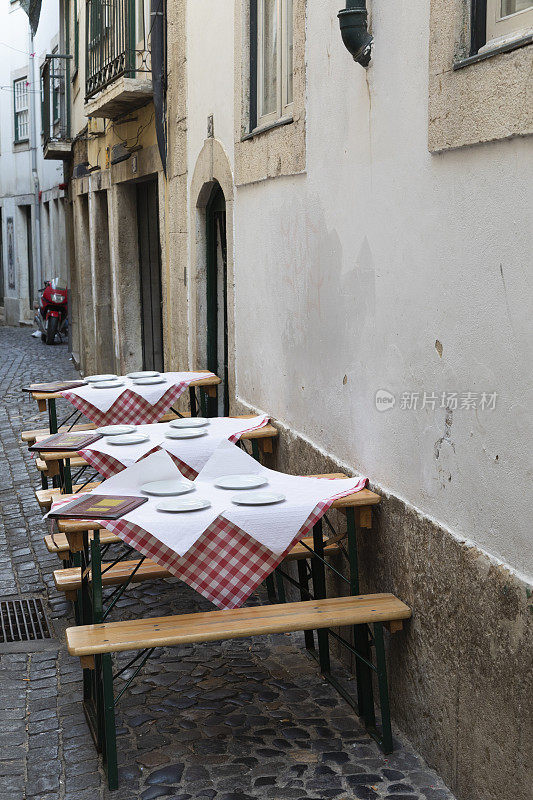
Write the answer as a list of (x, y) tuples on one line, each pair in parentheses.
[(353, 21)]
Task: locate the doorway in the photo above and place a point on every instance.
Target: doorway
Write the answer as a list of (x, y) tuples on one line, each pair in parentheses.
[(150, 268), (26, 210), (217, 293)]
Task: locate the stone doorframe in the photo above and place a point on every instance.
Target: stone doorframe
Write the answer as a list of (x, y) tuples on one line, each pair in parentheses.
[(212, 166)]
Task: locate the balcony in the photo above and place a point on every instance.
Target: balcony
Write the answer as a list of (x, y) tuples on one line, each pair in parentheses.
[(118, 68), (54, 109)]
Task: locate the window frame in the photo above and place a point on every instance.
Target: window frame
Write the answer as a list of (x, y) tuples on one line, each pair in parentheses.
[(16, 113), (484, 23), (284, 108)]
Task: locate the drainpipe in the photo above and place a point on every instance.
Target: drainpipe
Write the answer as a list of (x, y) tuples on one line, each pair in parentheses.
[(353, 21), (35, 96)]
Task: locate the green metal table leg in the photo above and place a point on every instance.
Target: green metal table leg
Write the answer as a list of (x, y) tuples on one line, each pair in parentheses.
[(212, 404), (203, 403), (67, 477), (281, 587), (271, 589), (44, 481), (363, 673), (319, 591), (303, 580), (255, 449), (383, 685), (52, 415), (192, 401)]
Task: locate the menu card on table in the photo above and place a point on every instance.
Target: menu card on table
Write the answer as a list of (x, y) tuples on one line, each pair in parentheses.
[(66, 441), (94, 506)]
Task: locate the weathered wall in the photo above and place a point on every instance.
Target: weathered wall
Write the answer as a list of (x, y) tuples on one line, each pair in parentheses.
[(382, 266)]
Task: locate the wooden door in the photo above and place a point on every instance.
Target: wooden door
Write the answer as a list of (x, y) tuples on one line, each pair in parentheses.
[(150, 266)]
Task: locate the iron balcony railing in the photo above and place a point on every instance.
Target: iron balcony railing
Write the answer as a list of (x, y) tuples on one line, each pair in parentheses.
[(111, 46), (54, 106)]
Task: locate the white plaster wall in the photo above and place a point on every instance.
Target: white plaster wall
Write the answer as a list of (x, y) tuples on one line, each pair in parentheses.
[(210, 79), (347, 276)]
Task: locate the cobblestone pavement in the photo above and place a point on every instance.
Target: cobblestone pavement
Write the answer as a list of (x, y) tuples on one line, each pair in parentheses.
[(221, 721)]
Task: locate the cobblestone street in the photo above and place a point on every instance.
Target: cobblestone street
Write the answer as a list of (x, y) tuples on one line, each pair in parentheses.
[(223, 721)]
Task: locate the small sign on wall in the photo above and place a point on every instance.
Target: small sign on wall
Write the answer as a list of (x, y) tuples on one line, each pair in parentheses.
[(10, 233)]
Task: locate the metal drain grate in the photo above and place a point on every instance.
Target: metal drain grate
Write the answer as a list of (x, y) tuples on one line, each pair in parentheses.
[(23, 621)]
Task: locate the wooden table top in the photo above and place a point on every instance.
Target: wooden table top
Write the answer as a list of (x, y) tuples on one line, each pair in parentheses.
[(212, 380)]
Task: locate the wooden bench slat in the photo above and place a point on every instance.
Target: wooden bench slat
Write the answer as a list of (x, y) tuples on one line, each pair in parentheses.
[(87, 640), (70, 579), (58, 543)]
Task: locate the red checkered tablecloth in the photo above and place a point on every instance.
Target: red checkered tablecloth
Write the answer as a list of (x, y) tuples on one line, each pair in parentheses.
[(225, 564), (129, 408)]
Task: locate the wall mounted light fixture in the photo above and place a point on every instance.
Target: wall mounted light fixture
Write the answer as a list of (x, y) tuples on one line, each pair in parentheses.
[(353, 21)]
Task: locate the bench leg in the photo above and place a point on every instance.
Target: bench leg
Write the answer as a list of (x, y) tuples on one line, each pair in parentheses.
[(110, 735), (281, 587), (319, 593), (44, 481), (303, 580), (381, 668), (363, 673)]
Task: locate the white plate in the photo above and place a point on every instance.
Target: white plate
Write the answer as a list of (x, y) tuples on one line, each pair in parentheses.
[(116, 430), (168, 488), (194, 433), (189, 422), (257, 498), (149, 381), (108, 384), (143, 375), (240, 481), (130, 438), (99, 378), (183, 504)]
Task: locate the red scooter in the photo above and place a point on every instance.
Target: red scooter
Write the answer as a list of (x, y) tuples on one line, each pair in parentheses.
[(51, 317)]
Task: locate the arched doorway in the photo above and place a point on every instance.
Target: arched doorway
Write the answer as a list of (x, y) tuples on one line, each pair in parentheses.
[(216, 283)]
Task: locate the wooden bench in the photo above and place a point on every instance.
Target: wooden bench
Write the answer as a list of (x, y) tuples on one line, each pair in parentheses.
[(94, 644), (58, 543)]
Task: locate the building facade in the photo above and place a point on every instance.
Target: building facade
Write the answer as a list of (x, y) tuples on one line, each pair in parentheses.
[(33, 234), (348, 246)]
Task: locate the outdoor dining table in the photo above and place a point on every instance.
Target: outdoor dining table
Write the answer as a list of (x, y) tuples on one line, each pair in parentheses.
[(107, 460), (225, 550), (206, 381)]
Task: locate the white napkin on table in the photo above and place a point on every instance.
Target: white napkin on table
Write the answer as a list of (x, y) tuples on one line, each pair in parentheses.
[(194, 452), (276, 525), (103, 399)]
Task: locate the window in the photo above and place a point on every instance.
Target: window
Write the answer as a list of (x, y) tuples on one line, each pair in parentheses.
[(20, 92), (499, 22), (274, 61), (507, 18)]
